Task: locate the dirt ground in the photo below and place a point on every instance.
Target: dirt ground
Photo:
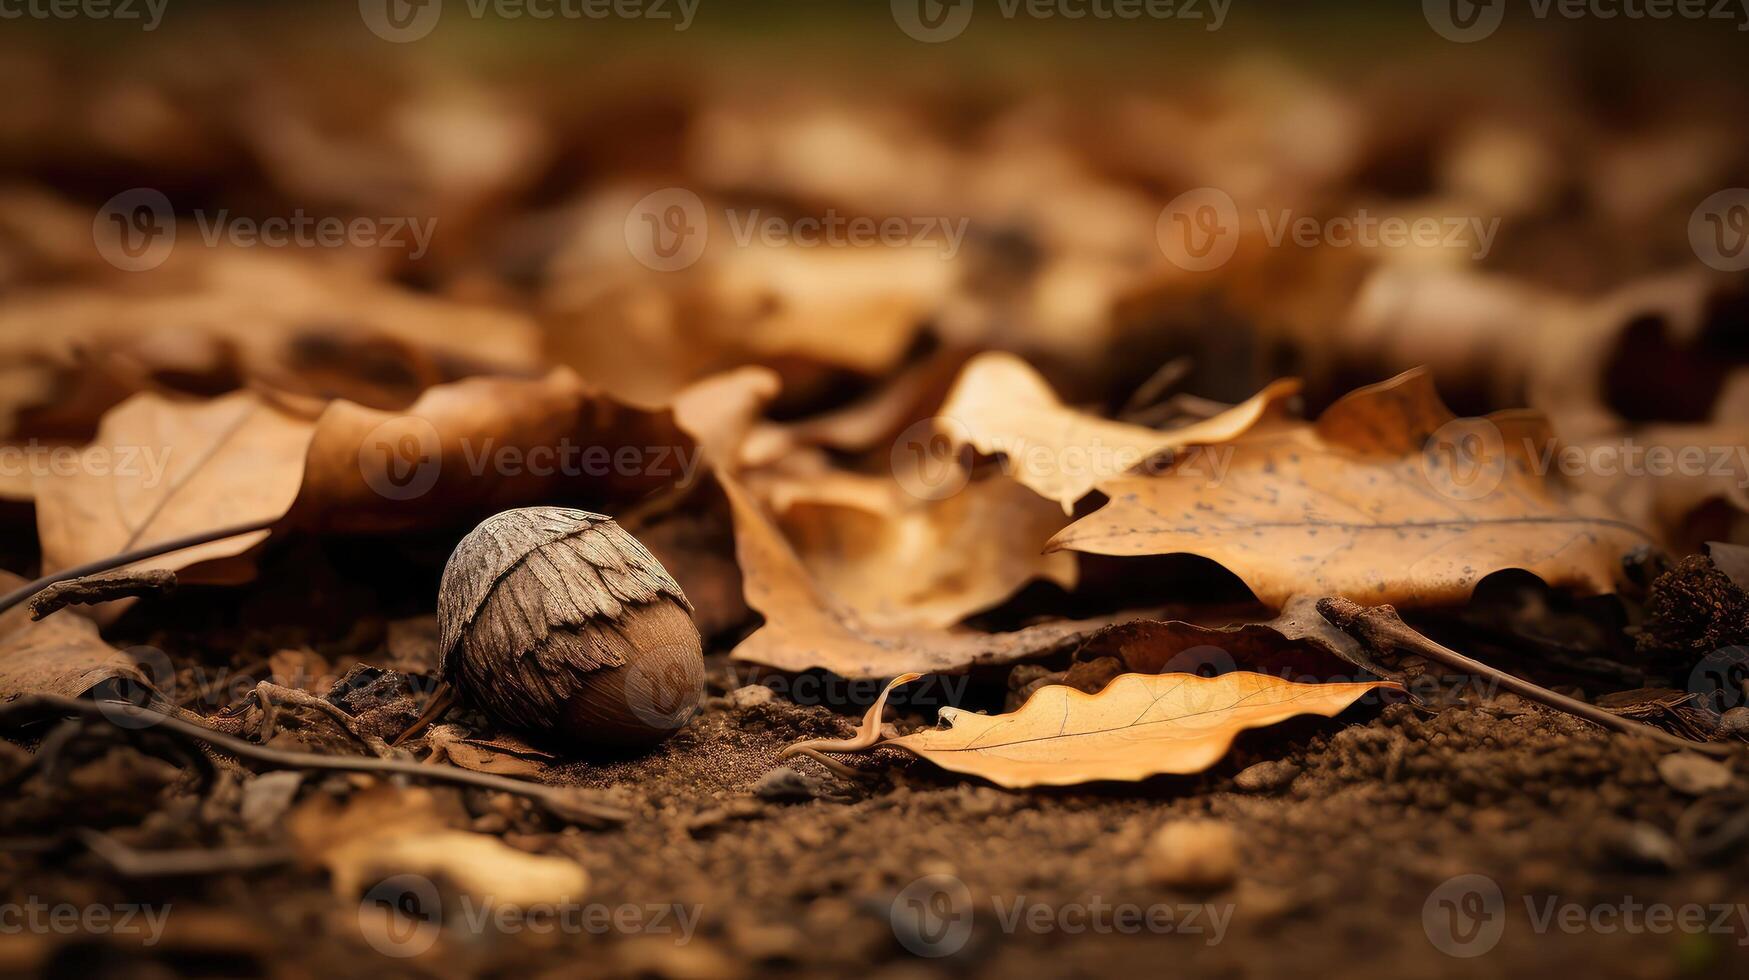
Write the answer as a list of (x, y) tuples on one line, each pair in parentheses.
[(1336, 866)]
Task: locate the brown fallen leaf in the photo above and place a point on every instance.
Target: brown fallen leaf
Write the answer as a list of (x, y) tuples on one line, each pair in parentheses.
[(1664, 477), (806, 626), (1140, 725), (163, 468), (503, 754), (385, 831), (901, 561), (61, 655), (1001, 405), (1385, 498), (1297, 643)]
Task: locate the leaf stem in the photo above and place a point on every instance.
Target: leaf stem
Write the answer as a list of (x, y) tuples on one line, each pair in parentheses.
[(1382, 629), (24, 592)]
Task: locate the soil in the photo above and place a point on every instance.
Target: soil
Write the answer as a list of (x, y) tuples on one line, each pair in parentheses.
[(1341, 853)]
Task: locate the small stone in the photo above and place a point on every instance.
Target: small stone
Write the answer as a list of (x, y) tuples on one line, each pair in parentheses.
[(1694, 774), (747, 697), (786, 785), (267, 797), (1266, 777), (1638, 847), (1200, 855), (1735, 722)]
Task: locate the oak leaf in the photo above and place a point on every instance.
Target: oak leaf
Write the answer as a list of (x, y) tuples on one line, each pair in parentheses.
[(62, 655), (1385, 498)]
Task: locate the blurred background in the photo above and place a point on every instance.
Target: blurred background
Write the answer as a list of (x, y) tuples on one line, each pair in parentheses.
[(1543, 202)]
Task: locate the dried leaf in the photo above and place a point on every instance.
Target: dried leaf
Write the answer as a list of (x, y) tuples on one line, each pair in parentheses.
[(1141, 725), (61, 655), (901, 561), (503, 754), (1299, 642), (1371, 502), (806, 626)]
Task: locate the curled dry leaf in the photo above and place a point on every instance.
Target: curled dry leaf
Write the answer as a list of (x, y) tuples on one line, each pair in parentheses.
[(61, 655), (503, 754), (1001, 405), (1140, 725), (806, 626), (1299, 642), (1385, 498), (171, 468), (901, 561)]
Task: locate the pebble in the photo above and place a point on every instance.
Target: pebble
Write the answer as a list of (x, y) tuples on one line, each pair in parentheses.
[(747, 697), (1266, 777), (1639, 846), (786, 785), (1694, 774), (1735, 722), (1201, 855)]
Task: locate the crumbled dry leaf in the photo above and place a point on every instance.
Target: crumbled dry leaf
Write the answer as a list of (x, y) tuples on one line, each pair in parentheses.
[(901, 561), (805, 625), (1299, 642), (503, 754), (1001, 405), (1140, 725), (62, 655), (1378, 500)]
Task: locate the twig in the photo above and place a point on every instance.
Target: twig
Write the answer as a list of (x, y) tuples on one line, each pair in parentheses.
[(441, 701), (105, 587), (24, 592), (865, 738), (555, 798), (1381, 628), (131, 863)]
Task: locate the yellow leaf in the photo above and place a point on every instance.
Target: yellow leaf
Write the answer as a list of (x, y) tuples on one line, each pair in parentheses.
[(1141, 725)]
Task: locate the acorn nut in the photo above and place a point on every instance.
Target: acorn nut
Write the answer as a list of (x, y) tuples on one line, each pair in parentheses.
[(558, 622)]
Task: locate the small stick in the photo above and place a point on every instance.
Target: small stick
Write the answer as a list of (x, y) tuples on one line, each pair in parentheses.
[(1381, 628), (865, 738), (27, 590), (441, 701), (105, 587), (116, 713)]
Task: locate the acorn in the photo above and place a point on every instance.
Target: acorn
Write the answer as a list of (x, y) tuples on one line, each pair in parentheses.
[(558, 622)]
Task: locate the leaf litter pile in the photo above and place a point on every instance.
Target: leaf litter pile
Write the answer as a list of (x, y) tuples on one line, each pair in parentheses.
[(525, 601)]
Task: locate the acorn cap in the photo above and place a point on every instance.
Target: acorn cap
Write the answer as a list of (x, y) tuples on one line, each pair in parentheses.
[(543, 609)]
